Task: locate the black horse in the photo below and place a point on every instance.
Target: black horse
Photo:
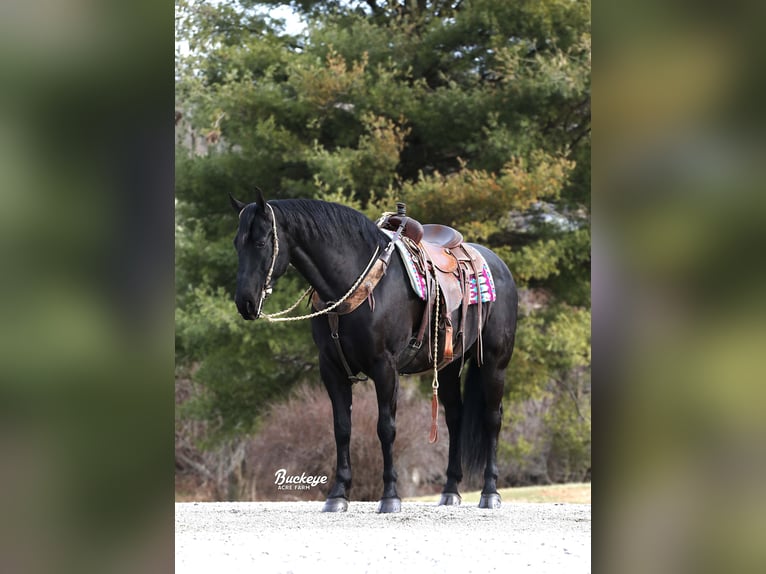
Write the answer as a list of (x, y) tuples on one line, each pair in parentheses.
[(331, 245)]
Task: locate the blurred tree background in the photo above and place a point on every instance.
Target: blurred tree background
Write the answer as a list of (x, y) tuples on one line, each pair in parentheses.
[(476, 113)]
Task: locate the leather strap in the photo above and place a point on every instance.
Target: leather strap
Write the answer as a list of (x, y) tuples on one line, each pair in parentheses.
[(465, 279), (360, 295), (479, 307), (433, 435), (416, 342), (332, 319), (448, 356)]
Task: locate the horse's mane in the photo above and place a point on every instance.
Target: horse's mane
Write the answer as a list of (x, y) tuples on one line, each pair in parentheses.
[(324, 221)]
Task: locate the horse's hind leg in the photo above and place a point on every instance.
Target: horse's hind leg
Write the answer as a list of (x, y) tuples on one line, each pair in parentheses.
[(339, 389), (492, 379), (449, 394), (387, 389)]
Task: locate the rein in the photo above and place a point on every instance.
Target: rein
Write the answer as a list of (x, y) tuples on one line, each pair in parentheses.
[(276, 317), (433, 435), (266, 291)]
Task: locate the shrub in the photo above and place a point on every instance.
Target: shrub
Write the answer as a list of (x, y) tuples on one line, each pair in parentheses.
[(297, 435), (212, 473), (547, 439)]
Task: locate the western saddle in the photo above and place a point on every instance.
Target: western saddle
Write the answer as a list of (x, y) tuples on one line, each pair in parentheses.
[(448, 264)]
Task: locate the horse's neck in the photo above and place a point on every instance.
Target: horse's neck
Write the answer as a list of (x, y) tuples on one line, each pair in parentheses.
[(331, 266)]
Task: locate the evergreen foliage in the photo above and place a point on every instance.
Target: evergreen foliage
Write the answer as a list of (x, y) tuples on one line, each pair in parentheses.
[(476, 113)]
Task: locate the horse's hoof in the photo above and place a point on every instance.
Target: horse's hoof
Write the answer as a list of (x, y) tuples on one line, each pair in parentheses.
[(387, 505), (335, 505), (450, 499), (489, 500)]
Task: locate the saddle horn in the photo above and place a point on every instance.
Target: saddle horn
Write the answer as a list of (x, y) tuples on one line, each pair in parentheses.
[(413, 229)]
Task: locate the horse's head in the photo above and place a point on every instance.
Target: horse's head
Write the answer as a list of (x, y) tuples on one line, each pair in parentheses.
[(257, 252)]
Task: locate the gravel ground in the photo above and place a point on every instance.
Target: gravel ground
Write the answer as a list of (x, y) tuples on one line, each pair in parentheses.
[(271, 537)]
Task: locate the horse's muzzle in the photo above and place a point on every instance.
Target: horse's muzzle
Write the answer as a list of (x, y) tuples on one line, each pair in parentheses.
[(247, 308)]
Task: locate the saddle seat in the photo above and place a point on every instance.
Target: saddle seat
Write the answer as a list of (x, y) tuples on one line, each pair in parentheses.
[(442, 235), (439, 241)]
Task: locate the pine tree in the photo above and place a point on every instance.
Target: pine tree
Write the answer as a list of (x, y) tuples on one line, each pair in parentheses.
[(475, 113)]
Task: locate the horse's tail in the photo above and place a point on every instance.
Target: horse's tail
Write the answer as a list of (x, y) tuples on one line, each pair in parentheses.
[(474, 439)]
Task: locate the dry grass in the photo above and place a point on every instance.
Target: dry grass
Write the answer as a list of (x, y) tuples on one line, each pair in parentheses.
[(297, 435)]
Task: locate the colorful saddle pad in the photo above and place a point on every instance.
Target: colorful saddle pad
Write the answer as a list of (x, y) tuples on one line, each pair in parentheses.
[(418, 280)]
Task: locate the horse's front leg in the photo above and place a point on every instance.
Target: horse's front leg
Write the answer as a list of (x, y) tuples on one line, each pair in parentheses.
[(339, 389), (387, 389)]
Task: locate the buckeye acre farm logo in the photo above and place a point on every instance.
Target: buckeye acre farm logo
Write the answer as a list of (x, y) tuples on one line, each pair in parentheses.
[(285, 481)]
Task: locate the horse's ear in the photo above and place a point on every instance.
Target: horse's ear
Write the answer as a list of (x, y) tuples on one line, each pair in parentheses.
[(259, 201), (237, 205)]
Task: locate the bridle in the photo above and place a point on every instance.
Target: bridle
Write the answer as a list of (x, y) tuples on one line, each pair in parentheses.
[(267, 287)]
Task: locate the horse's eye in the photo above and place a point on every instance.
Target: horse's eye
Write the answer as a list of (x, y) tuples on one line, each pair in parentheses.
[(260, 244)]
